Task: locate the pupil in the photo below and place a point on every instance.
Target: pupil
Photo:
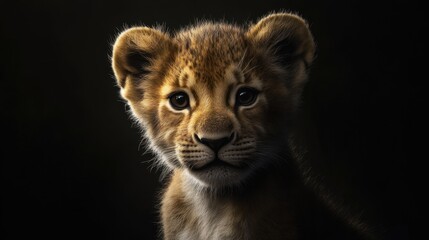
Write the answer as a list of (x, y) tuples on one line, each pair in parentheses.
[(180, 100), (245, 97)]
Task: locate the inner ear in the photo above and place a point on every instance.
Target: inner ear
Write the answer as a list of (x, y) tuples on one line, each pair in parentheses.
[(140, 61), (286, 52)]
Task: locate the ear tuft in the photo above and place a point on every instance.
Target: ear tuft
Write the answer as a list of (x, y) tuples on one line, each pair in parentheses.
[(135, 53), (286, 36)]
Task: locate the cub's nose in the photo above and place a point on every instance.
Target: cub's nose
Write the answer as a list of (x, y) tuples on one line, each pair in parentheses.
[(215, 143)]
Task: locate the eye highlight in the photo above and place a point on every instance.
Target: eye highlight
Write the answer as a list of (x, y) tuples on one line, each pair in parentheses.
[(246, 96), (179, 100)]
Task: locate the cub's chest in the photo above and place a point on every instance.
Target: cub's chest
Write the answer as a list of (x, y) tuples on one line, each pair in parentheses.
[(216, 223)]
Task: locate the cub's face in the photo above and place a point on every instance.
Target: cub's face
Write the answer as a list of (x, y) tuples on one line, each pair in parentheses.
[(215, 99)]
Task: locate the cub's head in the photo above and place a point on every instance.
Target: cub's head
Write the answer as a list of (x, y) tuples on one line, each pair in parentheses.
[(215, 99)]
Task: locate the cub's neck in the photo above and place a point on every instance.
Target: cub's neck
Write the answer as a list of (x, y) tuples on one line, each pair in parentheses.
[(260, 209)]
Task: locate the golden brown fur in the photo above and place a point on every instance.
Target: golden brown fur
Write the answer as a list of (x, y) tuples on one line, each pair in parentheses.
[(246, 195)]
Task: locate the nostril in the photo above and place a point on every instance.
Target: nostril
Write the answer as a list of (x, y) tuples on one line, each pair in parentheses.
[(232, 137), (197, 138)]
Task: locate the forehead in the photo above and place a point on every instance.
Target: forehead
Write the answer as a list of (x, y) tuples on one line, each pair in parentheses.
[(209, 54)]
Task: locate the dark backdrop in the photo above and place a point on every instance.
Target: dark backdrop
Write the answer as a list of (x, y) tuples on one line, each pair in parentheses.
[(72, 165)]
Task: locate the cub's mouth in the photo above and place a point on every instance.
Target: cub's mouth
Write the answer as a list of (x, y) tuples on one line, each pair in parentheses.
[(216, 163), (219, 173), (219, 166)]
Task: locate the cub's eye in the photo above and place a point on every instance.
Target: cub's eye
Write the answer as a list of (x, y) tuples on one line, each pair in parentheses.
[(179, 100), (246, 96)]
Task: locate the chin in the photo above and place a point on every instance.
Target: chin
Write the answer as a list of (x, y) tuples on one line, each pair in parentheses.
[(218, 175)]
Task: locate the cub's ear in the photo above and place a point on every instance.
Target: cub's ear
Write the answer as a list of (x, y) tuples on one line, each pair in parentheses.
[(286, 37), (138, 54)]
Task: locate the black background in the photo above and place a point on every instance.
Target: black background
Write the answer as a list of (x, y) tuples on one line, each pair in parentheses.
[(72, 165)]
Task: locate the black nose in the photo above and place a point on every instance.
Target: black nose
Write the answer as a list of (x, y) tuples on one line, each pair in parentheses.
[(215, 144)]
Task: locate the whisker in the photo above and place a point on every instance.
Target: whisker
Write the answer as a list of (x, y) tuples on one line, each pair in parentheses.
[(240, 64)]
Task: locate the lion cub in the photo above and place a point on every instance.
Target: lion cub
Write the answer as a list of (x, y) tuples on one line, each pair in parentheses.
[(216, 102)]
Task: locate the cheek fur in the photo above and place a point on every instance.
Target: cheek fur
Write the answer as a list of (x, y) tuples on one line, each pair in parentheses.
[(183, 134), (168, 122), (253, 118)]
